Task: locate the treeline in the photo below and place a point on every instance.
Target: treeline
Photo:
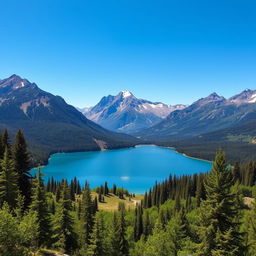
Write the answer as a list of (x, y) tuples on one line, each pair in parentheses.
[(14, 169), (197, 215), (188, 186)]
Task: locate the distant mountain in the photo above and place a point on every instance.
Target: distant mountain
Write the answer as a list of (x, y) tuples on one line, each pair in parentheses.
[(49, 123), (126, 113), (205, 115)]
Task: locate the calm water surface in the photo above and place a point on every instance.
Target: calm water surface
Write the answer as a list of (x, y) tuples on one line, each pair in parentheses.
[(136, 169)]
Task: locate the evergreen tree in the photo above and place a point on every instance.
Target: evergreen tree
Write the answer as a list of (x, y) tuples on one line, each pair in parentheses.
[(236, 172), (122, 242), (39, 205), (18, 235), (72, 191), (199, 190), (22, 166), (114, 189), (250, 226), (138, 223), (96, 247), (86, 216), (219, 231), (157, 244), (177, 205), (63, 234), (146, 225), (106, 191), (6, 142), (58, 193), (1, 147), (8, 181), (114, 235), (177, 233)]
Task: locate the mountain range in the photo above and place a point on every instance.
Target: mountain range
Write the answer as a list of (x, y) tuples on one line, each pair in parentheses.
[(49, 123), (126, 113), (205, 115), (209, 124)]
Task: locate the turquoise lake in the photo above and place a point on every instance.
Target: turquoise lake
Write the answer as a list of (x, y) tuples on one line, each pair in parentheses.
[(136, 169)]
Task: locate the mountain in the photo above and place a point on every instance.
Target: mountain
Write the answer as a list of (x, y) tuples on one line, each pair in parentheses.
[(246, 97), (126, 113), (205, 115), (49, 123)]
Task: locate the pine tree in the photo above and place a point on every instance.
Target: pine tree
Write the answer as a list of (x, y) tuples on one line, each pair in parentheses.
[(177, 205), (122, 242), (95, 205), (8, 181), (105, 191), (1, 147), (39, 205), (138, 223), (114, 189), (114, 235), (96, 247), (236, 172), (219, 230), (22, 166), (6, 141), (72, 191), (79, 209), (86, 216), (251, 230), (146, 225), (177, 232), (157, 244), (199, 190), (63, 233)]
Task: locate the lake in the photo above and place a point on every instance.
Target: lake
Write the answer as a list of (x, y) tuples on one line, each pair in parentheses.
[(136, 169)]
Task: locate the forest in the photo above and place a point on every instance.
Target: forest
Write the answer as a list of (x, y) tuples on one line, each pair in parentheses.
[(210, 214)]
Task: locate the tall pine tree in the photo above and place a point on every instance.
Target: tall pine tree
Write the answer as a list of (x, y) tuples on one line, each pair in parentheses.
[(22, 166), (39, 205), (8, 181), (86, 216), (97, 245), (219, 230), (63, 230)]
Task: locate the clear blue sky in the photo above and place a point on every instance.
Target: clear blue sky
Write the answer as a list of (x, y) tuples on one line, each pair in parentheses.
[(170, 51)]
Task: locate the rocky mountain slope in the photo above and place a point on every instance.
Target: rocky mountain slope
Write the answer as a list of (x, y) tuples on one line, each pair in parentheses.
[(205, 115), (49, 123), (126, 113)]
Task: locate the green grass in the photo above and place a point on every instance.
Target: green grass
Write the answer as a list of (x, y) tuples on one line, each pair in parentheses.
[(111, 202)]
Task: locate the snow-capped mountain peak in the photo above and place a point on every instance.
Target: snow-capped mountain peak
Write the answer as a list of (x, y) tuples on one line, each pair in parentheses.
[(246, 96), (126, 94), (126, 113), (13, 82)]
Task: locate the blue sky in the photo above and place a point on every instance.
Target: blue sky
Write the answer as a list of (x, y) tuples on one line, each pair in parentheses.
[(170, 51)]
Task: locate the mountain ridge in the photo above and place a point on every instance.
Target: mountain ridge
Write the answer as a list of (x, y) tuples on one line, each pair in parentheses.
[(207, 114), (49, 123), (126, 113)]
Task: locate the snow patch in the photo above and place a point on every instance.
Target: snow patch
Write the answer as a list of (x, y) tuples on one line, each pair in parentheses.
[(253, 98), (126, 94)]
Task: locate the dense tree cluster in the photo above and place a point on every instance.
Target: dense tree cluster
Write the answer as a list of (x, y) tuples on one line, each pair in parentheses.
[(199, 215), (14, 170)]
